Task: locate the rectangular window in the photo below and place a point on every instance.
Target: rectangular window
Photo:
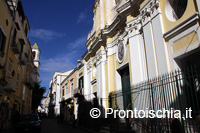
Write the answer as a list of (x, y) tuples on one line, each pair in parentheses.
[(21, 48), (72, 91), (14, 37), (63, 93), (28, 57), (9, 70), (66, 89), (81, 83), (17, 80), (2, 42), (26, 30)]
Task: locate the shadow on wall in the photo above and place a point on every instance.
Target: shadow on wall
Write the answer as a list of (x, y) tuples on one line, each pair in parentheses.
[(84, 118)]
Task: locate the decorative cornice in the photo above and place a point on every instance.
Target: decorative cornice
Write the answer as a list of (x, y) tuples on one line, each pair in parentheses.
[(134, 26), (100, 56), (90, 38), (182, 27), (123, 37), (89, 66), (111, 29), (150, 4), (148, 10), (124, 7)]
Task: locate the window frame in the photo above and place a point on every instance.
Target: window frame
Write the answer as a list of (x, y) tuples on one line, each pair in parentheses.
[(2, 41)]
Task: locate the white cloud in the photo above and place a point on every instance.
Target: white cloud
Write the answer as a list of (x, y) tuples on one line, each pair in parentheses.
[(63, 61), (53, 65), (83, 17), (78, 44), (45, 34)]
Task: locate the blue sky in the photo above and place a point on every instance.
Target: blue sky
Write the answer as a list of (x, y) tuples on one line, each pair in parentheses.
[(60, 29)]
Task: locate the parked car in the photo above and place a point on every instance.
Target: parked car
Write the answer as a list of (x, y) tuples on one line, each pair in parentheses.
[(29, 123)]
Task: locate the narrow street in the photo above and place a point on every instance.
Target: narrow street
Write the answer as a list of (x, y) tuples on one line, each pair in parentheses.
[(51, 126)]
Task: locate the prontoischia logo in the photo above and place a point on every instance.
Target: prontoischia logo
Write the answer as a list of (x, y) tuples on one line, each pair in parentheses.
[(172, 113)]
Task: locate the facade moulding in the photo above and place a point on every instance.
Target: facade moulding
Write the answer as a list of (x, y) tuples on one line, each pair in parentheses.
[(90, 38), (149, 11), (191, 21), (99, 57), (96, 3), (89, 66), (111, 29), (134, 26)]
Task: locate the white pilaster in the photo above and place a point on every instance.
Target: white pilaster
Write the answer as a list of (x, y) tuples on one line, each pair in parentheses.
[(138, 60), (160, 45), (101, 84)]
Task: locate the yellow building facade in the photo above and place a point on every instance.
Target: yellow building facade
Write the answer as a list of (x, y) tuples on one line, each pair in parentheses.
[(134, 41), (16, 62)]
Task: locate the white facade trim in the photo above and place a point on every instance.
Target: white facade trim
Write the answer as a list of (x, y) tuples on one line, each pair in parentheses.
[(185, 50)]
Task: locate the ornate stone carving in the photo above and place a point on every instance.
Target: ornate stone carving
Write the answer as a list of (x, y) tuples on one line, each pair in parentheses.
[(148, 10), (89, 66)]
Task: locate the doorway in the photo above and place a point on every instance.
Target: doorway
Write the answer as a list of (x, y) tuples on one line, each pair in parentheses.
[(191, 74), (126, 88)]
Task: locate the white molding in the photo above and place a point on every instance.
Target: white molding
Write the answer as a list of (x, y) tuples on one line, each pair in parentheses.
[(149, 11), (192, 20), (89, 66), (185, 50)]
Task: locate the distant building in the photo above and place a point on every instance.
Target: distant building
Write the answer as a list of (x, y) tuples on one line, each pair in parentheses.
[(69, 86), (58, 77), (45, 103), (36, 53)]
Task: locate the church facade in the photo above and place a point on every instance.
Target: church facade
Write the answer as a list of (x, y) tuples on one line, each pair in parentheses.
[(134, 41)]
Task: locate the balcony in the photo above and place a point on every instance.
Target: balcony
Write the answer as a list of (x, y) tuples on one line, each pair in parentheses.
[(29, 83), (11, 86), (31, 65), (22, 60), (12, 4), (16, 48)]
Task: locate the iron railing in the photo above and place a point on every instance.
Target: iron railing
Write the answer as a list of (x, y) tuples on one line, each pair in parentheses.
[(178, 90)]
